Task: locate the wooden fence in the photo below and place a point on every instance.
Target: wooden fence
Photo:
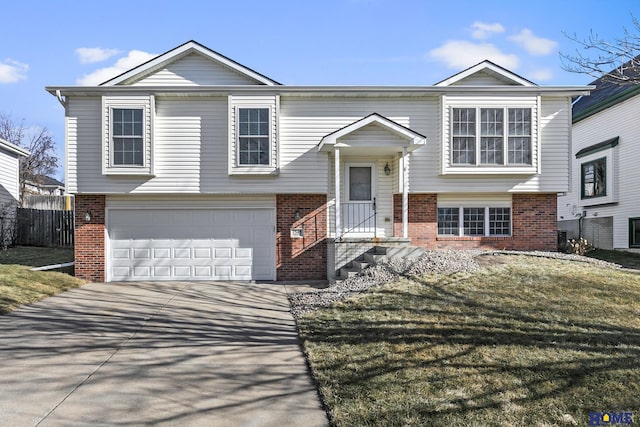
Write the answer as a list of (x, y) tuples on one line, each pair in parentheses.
[(53, 228), (46, 202)]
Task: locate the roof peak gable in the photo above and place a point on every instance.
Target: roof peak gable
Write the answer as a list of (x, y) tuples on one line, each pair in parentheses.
[(487, 67), (181, 51)]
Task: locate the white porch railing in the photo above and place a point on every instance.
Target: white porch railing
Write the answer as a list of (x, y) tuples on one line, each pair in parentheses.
[(358, 218)]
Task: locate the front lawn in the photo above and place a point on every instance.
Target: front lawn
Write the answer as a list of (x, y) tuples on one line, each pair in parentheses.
[(34, 256), (523, 341), (623, 258), (19, 285)]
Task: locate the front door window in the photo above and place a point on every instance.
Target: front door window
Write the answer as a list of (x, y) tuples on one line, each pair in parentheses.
[(359, 183)]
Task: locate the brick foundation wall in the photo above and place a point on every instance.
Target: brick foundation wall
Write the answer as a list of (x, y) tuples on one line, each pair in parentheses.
[(301, 258), (534, 224), (423, 218), (89, 250)]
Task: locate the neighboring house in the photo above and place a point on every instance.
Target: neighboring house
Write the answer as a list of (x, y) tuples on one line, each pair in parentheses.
[(45, 186), (193, 166), (603, 204), (10, 155)]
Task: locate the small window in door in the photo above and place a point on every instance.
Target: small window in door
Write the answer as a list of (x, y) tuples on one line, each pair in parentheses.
[(360, 183)]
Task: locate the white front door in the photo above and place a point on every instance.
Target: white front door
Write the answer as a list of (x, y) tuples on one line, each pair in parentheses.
[(358, 212)]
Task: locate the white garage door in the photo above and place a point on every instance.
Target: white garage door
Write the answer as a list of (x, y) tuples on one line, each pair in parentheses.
[(196, 244)]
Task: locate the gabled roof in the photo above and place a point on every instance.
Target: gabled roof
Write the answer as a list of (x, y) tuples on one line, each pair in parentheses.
[(413, 138), (606, 94), (45, 181), (490, 68), (187, 48), (13, 148)]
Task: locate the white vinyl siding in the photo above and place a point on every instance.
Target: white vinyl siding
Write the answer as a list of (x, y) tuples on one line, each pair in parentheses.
[(9, 193), (194, 70), (192, 147), (617, 121), (9, 179)]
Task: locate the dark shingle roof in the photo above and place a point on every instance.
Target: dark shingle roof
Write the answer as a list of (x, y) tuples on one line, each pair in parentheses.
[(605, 95)]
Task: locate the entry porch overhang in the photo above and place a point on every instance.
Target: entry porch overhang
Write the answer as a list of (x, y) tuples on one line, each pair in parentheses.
[(403, 137), (373, 135)]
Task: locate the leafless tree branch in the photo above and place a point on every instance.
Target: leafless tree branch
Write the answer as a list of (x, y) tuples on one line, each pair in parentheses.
[(617, 60)]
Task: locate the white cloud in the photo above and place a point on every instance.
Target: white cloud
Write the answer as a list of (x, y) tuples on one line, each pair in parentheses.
[(460, 54), (483, 30), (89, 55), (541, 75), (12, 71), (133, 59), (534, 45)]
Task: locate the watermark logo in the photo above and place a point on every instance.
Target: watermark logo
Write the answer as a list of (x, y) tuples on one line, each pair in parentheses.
[(610, 418)]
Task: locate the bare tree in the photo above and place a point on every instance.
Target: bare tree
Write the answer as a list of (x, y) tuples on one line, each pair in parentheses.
[(38, 142), (616, 61)]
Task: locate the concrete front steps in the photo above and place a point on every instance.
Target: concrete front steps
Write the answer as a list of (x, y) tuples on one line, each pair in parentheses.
[(378, 254)]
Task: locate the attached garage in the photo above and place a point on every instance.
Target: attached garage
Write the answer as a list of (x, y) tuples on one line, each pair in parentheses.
[(191, 244)]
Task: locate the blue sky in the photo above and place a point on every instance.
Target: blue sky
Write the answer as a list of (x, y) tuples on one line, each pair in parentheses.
[(329, 42)]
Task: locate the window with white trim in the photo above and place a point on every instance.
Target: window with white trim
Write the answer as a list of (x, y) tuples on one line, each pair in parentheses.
[(474, 221), (594, 178), (253, 137), (127, 137), (491, 137)]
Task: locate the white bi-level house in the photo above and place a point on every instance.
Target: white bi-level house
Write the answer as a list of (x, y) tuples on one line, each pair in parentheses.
[(194, 167)]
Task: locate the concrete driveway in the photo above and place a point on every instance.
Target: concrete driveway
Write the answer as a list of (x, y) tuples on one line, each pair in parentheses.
[(200, 353)]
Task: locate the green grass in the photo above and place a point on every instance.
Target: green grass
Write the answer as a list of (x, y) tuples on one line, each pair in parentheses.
[(623, 258), (19, 285), (33, 256), (525, 342)]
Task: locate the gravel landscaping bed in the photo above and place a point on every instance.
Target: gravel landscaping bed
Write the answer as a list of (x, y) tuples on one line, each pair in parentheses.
[(435, 261)]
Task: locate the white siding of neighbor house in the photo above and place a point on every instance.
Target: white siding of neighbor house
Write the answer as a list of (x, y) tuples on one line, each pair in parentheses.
[(9, 187), (618, 121), (192, 140), (194, 70)]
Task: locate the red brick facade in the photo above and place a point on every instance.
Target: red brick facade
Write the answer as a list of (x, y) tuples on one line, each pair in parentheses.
[(89, 238), (301, 258), (533, 222)]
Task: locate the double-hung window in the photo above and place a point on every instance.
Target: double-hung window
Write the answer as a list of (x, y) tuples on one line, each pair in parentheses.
[(253, 137), (474, 221), (127, 133), (491, 137)]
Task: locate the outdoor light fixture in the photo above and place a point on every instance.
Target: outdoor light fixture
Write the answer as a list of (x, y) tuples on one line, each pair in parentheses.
[(387, 169), (297, 214), (87, 216)]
